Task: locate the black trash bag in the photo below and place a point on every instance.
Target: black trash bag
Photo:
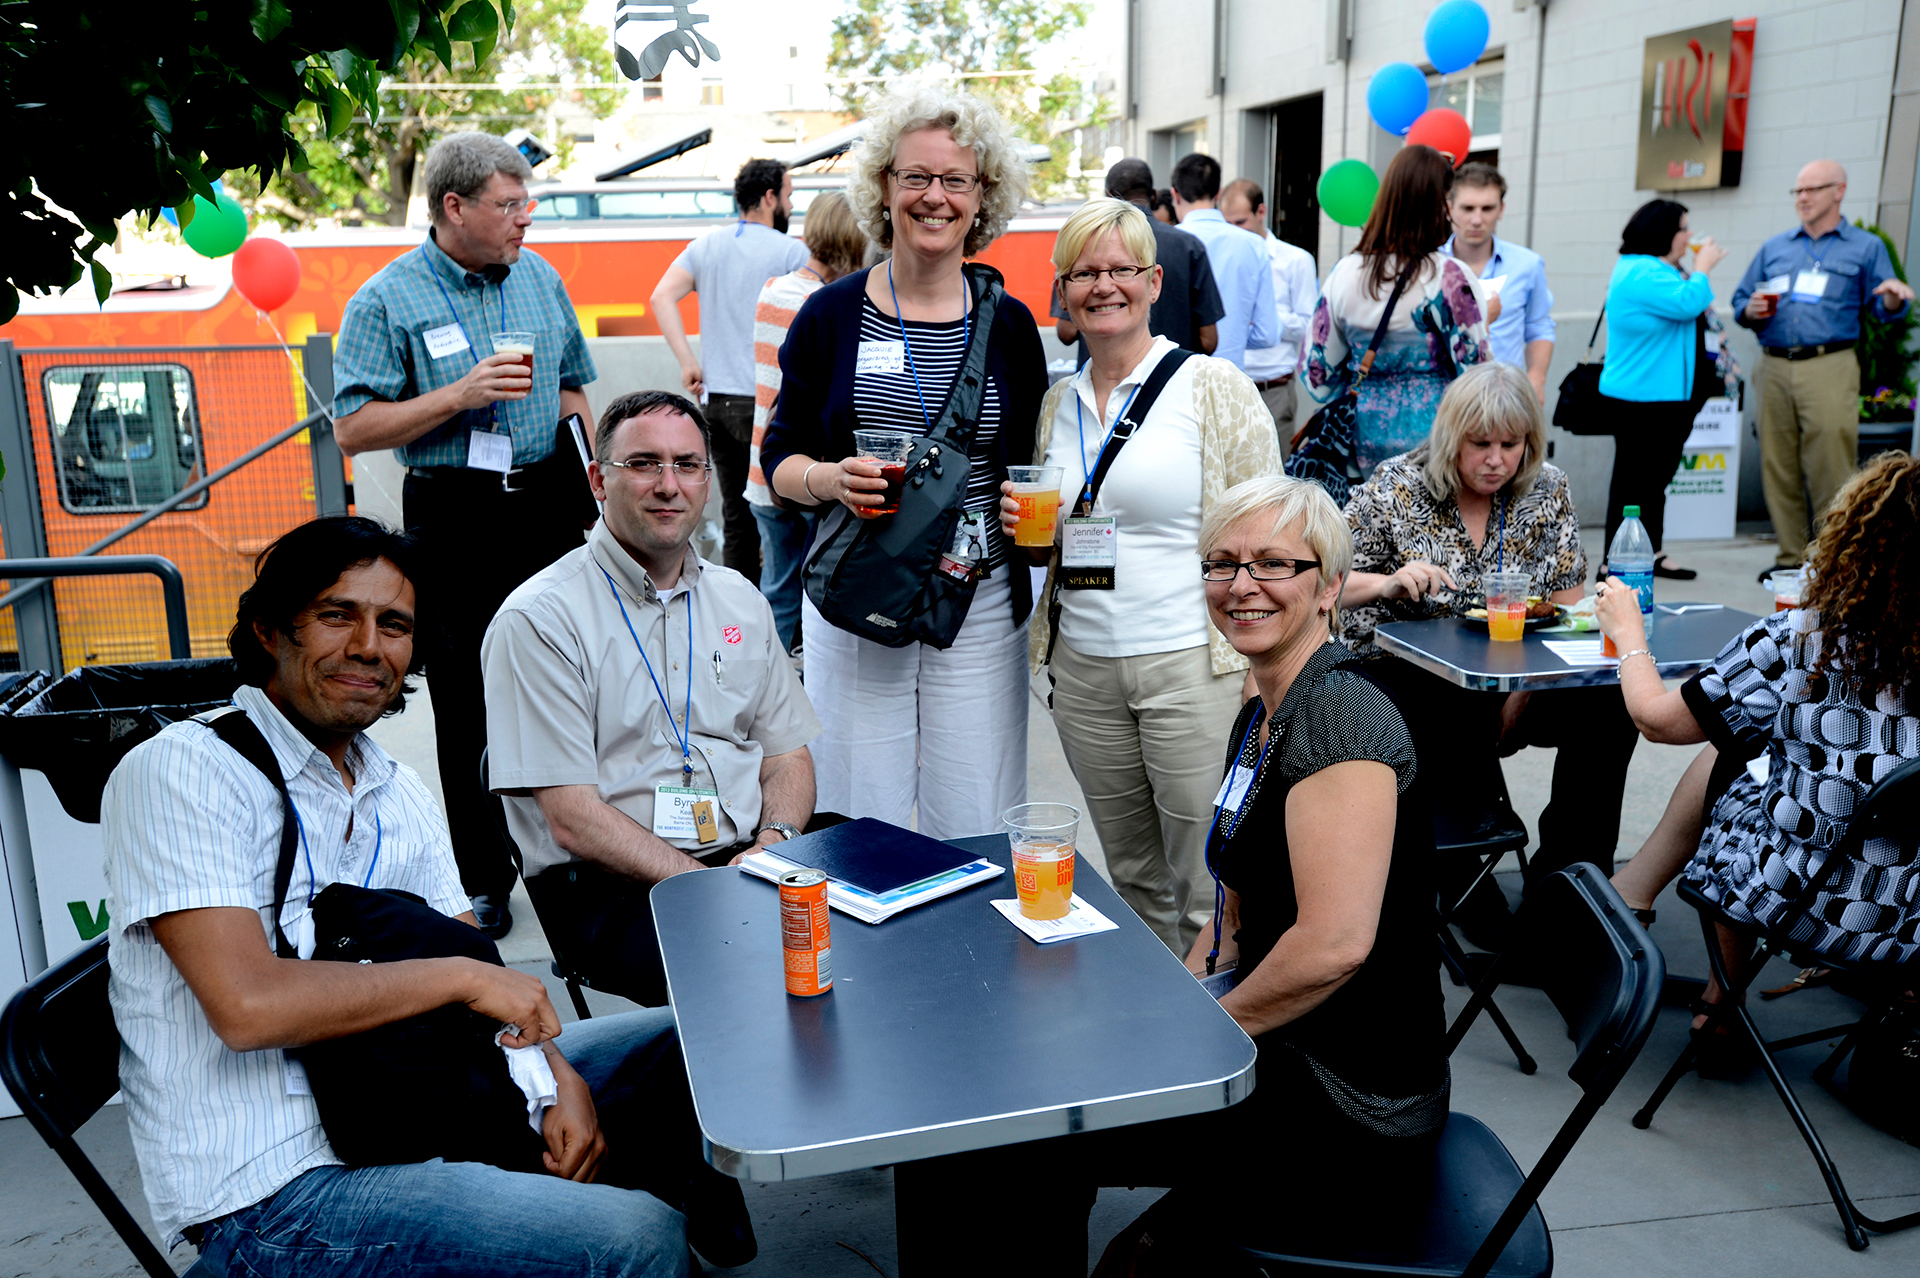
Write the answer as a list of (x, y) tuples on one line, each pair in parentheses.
[(77, 728)]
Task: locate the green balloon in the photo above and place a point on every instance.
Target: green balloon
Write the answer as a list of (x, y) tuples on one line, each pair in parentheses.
[(1347, 190), (215, 230)]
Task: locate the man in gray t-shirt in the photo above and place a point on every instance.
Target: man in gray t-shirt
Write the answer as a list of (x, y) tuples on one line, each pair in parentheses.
[(728, 267)]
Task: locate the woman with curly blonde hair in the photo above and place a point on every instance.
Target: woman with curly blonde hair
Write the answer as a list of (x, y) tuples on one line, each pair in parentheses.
[(1824, 694), (939, 731)]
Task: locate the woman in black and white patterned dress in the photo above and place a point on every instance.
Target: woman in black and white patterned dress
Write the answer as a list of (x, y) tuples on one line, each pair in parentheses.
[(1821, 700)]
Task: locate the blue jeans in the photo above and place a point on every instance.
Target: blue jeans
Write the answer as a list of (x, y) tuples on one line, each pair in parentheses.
[(784, 538), (439, 1218)]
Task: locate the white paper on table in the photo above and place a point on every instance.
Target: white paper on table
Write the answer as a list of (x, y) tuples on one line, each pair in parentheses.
[(1580, 652), (1080, 919)]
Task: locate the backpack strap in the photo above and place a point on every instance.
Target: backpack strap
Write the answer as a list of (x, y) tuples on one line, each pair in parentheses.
[(231, 725)]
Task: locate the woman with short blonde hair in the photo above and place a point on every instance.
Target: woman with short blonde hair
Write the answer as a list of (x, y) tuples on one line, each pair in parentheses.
[(1143, 688), (915, 732)]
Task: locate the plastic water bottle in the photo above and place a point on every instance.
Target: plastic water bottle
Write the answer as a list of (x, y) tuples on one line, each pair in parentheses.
[(1630, 558)]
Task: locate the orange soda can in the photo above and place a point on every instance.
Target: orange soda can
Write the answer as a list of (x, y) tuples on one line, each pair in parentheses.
[(805, 937)]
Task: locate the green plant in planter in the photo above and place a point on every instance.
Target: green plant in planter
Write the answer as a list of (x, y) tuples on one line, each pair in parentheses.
[(1887, 387)]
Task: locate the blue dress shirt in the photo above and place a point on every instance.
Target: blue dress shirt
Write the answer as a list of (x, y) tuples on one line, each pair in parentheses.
[(1855, 262), (1244, 275), (1526, 303)]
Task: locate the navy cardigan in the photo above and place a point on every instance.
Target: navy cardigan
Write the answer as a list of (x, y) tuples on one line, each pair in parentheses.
[(814, 415)]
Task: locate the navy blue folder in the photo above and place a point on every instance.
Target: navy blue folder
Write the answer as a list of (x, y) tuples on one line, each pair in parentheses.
[(878, 857)]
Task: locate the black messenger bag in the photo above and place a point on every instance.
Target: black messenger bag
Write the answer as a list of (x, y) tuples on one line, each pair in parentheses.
[(879, 578)]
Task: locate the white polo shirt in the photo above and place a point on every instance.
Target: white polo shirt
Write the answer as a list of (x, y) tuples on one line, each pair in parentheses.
[(571, 701), (189, 825)]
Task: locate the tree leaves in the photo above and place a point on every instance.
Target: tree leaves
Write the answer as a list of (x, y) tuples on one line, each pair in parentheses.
[(476, 22)]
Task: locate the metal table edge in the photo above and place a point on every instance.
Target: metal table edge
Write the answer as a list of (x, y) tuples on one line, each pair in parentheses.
[(1476, 681), (912, 1144)]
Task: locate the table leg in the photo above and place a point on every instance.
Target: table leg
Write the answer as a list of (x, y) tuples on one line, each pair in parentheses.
[(941, 1228)]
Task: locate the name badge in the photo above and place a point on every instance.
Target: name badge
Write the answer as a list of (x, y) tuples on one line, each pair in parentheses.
[(686, 812), (1810, 285), (1233, 788), (1089, 552), (881, 357), (448, 339), (490, 450), (294, 1075)]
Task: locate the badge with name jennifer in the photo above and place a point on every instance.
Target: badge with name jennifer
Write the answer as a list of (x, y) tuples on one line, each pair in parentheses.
[(1089, 550), (686, 812), (490, 450), (880, 357)]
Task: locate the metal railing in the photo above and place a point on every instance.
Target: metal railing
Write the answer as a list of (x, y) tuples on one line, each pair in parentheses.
[(172, 585)]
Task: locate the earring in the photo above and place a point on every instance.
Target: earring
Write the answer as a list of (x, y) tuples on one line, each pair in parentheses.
[(886, 215), (978, 220)]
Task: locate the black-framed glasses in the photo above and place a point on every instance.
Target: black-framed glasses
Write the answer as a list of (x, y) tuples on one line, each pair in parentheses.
[(1118, 274), (1224, 570), (1797, 191), (506, 208), (954, 183), (685, 470)]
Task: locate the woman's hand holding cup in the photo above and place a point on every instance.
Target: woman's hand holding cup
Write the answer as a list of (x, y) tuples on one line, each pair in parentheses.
[(1617, 609), (856, 483), (1009, 509)]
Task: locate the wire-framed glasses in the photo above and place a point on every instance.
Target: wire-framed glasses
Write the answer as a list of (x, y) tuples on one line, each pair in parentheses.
[(686, 470), (1259, 569), (1084, 278), (957, 183)]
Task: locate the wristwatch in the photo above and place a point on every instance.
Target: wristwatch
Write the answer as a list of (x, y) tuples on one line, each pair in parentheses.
[(786, 831)]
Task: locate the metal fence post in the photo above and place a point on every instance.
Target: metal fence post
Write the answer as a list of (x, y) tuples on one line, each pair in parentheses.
[(331, 492), (21, 522)]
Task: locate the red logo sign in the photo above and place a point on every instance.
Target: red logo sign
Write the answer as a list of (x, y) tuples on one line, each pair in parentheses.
[(731, 634)]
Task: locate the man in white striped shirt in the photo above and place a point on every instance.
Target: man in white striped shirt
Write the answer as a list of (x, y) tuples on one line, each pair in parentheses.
[(230, 1144)]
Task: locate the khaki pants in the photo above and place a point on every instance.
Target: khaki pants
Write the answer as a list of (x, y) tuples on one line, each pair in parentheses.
[(1146, 738), (1280, 402), (1809, 442)]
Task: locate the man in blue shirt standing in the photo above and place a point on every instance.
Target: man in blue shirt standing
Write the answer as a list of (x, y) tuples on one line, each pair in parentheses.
[(1803, 294), (1239, 260), (492, 490), (1523, 335)]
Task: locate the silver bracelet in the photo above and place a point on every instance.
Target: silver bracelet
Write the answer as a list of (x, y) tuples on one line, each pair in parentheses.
[(1640, 652), (804, 476)]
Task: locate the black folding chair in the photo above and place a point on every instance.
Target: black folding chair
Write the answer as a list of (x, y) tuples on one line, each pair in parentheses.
[(62, 1063), (1890, 811), (1477, 821), (562, 969), (1479, 1214)]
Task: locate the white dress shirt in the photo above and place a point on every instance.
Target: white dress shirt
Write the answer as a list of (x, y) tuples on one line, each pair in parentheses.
[(1295, 290), (188, 825)]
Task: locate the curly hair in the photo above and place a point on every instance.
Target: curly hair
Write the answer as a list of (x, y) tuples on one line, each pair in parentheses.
[(1864, 578), (971, 122)]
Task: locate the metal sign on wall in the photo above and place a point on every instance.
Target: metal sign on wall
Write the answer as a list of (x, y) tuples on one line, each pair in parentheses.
[(1693, 99)]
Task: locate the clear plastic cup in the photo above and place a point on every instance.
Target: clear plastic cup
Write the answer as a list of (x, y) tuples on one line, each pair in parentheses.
[(1507, 604), (1786, 584), (888, 450), (1037, 489), (1042, 836), (520, 344)]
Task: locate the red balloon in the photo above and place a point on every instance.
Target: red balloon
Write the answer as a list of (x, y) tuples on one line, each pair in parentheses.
[(266, 272), (1445, 131)]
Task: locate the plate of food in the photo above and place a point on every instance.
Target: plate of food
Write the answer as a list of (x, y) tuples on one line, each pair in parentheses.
[(1541, 613)]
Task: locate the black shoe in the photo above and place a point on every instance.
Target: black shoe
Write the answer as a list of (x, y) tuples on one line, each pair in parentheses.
[(1661, 568), (491, 913), (718, 1226)]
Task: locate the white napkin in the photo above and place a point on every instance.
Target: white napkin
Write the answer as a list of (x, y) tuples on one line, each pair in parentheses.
[(1080, 919), (533, 1075)]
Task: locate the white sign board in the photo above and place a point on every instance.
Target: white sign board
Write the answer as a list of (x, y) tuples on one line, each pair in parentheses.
[(70, 869), (1703, 498)]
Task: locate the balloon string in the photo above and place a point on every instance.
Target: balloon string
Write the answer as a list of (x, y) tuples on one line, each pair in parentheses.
[(361, 474)]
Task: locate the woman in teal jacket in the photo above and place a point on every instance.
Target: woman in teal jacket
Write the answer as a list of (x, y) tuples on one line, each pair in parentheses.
[(1653, 310)]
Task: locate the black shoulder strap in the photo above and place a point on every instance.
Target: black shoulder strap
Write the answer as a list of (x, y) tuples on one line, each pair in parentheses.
[(232, 726), (1380, 329), (1136, 412), (960, 415), (1594, 336)]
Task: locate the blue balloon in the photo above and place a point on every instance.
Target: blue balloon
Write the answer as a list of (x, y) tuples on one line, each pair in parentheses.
[(1457, 34), (1397, 96), (173, 219)]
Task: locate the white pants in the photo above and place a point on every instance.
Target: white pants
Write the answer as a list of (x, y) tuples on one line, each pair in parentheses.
[(901, 728)]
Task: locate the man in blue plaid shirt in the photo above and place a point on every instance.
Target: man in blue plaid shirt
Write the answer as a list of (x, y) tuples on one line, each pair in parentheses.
[(463, 356)]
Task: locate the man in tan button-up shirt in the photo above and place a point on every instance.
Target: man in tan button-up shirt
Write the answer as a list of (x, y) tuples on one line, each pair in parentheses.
[(642, 718)]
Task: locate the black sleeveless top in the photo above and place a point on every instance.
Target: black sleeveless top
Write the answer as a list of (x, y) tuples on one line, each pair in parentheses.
[(1376, 1045)]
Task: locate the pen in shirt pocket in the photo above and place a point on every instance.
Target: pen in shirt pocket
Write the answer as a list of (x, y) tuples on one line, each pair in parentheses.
[(717, 666)]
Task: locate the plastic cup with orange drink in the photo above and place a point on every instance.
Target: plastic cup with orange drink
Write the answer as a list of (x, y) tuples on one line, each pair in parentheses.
[(1037, 489), (1507, 604), (1042, 835)]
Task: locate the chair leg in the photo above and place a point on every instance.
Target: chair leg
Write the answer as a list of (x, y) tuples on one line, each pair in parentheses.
[(1449, 953), (579, 1001), (1643, 1118)]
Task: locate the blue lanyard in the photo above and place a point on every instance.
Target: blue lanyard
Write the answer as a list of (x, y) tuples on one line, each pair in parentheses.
[(433, 272), (312, 879), (682, 735), (1500, 548), (1219, 890), (1080, 424), (966, 339)]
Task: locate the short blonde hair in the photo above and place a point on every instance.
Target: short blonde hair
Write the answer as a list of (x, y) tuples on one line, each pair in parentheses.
[(1488, 401), (833, 234), (1290, 501), (1094, 219), (971, 122)]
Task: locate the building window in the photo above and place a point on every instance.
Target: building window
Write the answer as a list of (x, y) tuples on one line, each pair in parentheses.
[(712, 93), (125, 437), (1476, 94), (652, 90)]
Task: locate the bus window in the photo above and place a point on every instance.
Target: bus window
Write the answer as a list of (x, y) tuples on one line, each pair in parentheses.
[(563, 206), (666, 204), (125, 437)]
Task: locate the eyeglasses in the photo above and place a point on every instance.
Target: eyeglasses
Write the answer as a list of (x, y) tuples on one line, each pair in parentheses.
[(1224, 570), (686, 471), (506, 208), (1118, 274), (956, 183), (1797, 191)]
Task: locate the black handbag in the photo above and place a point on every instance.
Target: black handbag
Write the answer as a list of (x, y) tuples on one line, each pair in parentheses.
[(1883, 1079), (1324, 450), (879, 578), (1580, 408), (430, 1086)]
